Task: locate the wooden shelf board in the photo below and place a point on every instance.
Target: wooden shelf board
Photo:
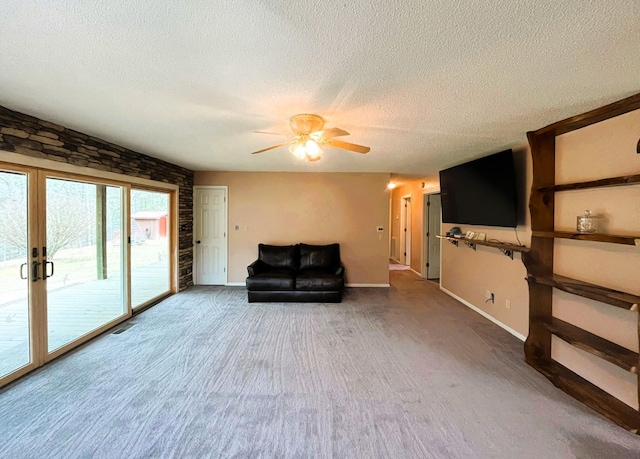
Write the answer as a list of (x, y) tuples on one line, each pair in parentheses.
[(613, 181), (594, 116), (593, 344), (592, 291), (497, 245), (588, 393), (611, 238)]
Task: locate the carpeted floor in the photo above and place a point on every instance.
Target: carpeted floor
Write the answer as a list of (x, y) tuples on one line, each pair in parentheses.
[(399, 372)]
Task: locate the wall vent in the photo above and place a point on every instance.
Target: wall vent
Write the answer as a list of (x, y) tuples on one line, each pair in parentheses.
[(123, 328)]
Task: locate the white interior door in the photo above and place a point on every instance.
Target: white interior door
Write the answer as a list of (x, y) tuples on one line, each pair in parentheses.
[(210, 221), (433, 244)]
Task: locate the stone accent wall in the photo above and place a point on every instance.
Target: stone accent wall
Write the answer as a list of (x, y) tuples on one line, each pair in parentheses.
[(26, 135)]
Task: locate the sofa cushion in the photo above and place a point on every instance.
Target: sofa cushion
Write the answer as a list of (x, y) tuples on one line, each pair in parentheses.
[(319, 257), (279, 256), (319, 281), (273, 281)]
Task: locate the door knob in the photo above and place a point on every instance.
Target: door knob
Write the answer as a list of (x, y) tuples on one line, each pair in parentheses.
[(197, 242)]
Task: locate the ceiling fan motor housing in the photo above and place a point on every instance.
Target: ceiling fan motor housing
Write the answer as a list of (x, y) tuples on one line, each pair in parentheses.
[(305, 124)]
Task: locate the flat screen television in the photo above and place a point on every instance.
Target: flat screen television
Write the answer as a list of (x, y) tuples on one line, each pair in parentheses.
[(480, 192)]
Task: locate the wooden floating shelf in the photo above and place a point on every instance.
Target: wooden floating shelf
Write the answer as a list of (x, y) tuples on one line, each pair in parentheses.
[(614, 181), (593, 344), (611, 238), (595, 292), (588, 393), (497, 245)]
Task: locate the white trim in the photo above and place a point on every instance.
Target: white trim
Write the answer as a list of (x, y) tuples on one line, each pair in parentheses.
[(411, 269), (368, 285), (485, 315), (396, 260), (243, 284)]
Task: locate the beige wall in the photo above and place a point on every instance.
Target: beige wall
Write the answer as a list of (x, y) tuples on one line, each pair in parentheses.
[(606, 149), (468, 274), (315, 208)]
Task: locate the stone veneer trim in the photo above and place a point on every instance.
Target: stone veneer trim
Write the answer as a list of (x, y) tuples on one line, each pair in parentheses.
[(30, 136)]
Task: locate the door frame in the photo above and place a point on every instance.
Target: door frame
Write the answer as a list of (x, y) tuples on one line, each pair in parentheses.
[(173, 236), (226, 219), (405, 222), (125, 254), (426, 215)]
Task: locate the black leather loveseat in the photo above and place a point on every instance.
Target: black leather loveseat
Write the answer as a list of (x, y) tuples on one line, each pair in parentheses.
[(296, 273)]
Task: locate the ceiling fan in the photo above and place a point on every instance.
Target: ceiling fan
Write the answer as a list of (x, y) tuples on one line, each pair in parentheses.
[(309, 134)]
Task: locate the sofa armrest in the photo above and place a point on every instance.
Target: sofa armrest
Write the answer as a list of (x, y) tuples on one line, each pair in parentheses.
[(340, 270), (256, 267)]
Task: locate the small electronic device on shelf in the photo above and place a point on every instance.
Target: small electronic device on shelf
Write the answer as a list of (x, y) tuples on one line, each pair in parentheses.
[(454, 232), (475, 236)]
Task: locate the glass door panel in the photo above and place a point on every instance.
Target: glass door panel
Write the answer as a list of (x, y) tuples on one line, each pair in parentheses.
[(150, 275), (15, 351), (84, 253)]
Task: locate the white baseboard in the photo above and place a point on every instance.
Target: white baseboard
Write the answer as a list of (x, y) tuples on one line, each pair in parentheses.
[(368, 285), (243, 284), (395, 259), (485, 314), (419, 274)]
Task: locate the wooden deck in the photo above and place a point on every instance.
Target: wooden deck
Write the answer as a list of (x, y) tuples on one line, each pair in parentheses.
[(75, 310)]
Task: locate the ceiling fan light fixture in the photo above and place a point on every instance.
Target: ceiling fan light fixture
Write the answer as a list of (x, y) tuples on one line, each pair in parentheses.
[(313, 150), (298, 150), (309, 135)]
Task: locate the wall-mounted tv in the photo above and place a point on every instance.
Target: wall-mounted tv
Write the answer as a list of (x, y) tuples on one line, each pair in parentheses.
[(481, 192)]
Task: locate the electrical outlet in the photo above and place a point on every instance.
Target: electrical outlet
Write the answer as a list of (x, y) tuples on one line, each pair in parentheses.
[(507, 304)]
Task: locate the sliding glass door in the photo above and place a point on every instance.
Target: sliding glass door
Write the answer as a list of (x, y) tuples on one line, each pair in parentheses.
[(77, 254), (150, 248), (15, 343), (83, 260)]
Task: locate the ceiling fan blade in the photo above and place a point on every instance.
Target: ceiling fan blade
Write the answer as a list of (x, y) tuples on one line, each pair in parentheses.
[(331, 132), (270, 148), (272, 133), (348, 146)]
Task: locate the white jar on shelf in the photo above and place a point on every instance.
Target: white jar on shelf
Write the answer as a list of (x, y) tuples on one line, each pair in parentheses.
[(587, 223)]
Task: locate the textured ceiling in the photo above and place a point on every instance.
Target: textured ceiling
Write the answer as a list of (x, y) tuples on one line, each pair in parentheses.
[(426, 84)]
